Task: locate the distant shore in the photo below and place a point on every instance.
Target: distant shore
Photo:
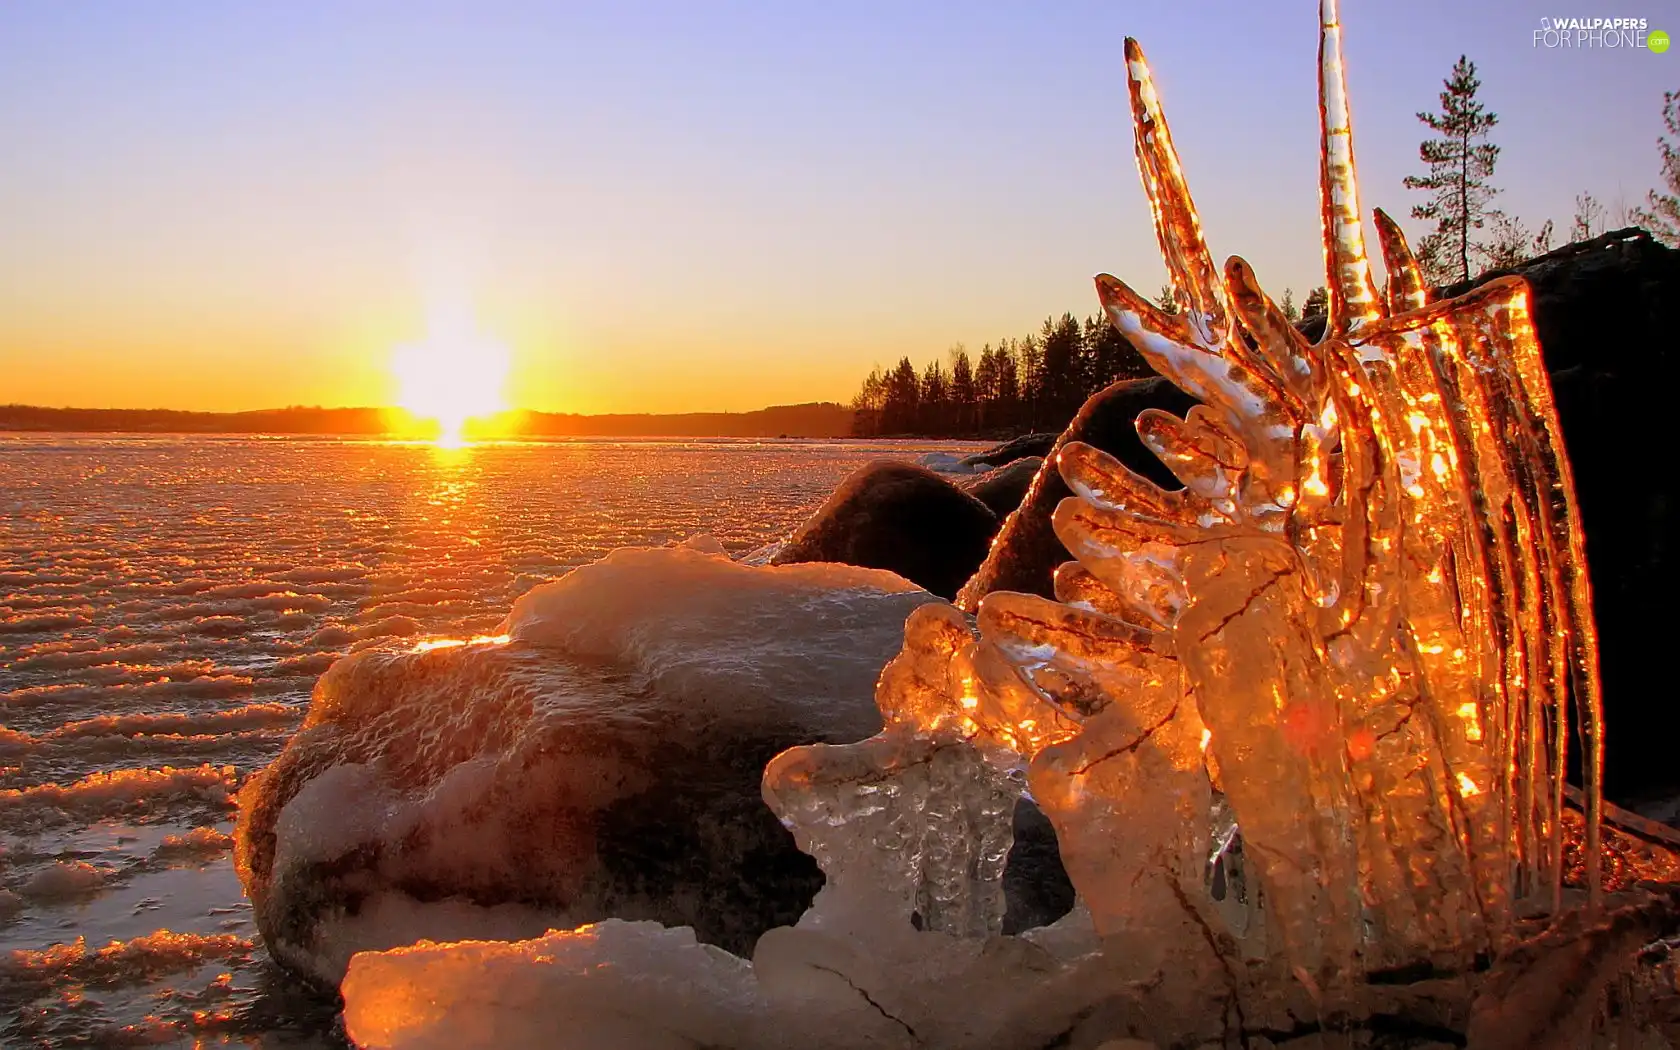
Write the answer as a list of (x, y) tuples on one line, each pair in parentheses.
[(814, 420)]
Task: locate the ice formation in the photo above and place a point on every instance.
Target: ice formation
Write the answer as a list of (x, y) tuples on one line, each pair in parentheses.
[(599, 755), (126, 961), (1302, 726)]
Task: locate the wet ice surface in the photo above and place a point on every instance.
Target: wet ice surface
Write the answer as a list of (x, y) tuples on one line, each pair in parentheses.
[(165, 606)]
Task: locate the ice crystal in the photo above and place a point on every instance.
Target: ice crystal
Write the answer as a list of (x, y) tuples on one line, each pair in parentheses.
[(1361, 631)]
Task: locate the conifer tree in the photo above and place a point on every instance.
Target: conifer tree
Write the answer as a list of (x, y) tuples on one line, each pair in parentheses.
[(986, 389), (1060, 386), (1509, 245), (1008, 385), (936, 400), (1589, 218), (1460, 164), (903, 397), (1317, 303), (963, 396), (866, 406), (1661, 213), (1029, 361)]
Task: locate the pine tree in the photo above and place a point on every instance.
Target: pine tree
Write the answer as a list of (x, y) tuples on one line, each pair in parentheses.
[(936, 400), (1167, 300), (986, 389), (1317, 303), (1431, 252), (1008, 385), (1589, 218), (1661, 214), (1059, 386), (963, 392), (903, 397), (1509, 245), (1029, 362), (866, 406), (1112, 357), (1460, 164), (1290, 310), (1108, 356)]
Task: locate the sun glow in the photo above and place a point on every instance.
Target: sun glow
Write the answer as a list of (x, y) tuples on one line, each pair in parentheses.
[(457, 373)]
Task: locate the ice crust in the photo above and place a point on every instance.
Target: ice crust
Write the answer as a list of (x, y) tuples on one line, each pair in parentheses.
[(642, 986), (599, 756)]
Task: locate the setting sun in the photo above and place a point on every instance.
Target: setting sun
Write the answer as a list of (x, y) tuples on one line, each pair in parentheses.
[(456, 374)]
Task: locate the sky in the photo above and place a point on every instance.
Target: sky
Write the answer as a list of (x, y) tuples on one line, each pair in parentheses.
[(694, 206)]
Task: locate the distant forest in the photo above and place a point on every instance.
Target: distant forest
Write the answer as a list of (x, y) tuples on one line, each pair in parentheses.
[(1036, 382), (814, 420)]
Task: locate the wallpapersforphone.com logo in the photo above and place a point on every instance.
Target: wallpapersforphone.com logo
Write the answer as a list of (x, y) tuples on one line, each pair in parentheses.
[(1633, 34)]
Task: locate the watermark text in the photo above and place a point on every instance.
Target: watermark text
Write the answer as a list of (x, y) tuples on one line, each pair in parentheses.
[(1599, 34)]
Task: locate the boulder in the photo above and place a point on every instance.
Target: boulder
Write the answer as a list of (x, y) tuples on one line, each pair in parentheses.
[(1036, 887), (1015, 448), (604, 760), (1025, 555), (1003, 489), (902, 518)]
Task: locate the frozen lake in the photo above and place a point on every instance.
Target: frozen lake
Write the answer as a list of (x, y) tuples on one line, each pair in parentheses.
[(165, 606)]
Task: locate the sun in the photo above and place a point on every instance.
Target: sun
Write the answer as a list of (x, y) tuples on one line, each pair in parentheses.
[(455, 374)]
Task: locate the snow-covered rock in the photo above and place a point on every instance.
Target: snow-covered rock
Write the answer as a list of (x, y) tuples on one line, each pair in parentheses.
[(600, 758), (899, 517), (946, 463), (1004, 488)]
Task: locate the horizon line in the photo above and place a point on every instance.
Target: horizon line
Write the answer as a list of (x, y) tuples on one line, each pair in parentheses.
[(22, 406)]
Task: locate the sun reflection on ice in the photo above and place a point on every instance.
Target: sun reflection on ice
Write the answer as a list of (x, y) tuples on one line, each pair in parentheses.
[(429, 644)]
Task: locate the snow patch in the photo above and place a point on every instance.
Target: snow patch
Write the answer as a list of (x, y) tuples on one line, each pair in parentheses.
[(64, 880), (946, 463)]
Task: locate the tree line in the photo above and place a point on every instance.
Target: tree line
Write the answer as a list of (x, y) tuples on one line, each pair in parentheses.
[(1038, 382)]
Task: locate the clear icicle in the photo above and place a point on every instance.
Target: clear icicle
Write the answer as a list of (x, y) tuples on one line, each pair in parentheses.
[(1365, 619), (1364, 625)]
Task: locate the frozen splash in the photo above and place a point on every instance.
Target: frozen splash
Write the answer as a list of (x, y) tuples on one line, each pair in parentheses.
[(1303, 723), (1363, 625)]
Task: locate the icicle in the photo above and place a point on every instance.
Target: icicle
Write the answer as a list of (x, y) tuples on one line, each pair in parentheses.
[(1365, 621), (1353, 296)]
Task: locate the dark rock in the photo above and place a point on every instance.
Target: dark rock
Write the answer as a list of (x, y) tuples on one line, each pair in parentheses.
[(1036, 887), (900, 517), (606, 762), (1016, 448), (1004, 488), (1026, 552)]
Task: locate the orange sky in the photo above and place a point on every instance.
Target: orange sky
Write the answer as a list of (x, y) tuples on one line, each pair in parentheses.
[(686, 207)]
